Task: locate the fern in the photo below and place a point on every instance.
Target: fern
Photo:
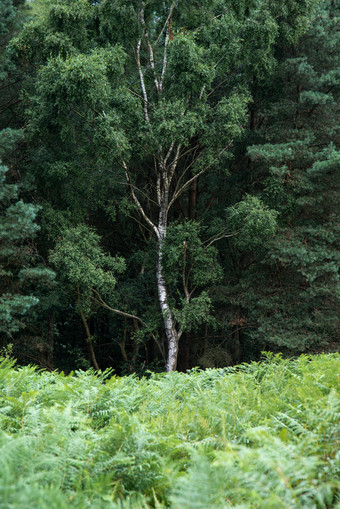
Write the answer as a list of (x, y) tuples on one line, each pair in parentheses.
[(255, 436)]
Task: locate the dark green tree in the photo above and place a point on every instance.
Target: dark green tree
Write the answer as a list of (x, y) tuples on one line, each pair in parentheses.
[(26, 284), (22, 278), (287, 295), (153, 94)]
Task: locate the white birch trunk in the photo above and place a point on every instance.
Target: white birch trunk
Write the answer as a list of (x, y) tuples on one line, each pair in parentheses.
[(169, 322)]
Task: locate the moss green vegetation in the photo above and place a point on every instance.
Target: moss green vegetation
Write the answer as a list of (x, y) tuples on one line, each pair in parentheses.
[(262, 435)]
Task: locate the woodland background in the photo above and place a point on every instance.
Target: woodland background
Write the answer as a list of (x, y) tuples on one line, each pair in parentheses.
[(198, 137)]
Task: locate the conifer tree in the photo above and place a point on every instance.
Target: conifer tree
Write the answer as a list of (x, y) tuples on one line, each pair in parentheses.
[(290, 298), (25, 282)]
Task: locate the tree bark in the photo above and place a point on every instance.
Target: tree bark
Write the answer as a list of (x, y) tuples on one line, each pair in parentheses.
[(89, 341), (50, 346), (169, 322)]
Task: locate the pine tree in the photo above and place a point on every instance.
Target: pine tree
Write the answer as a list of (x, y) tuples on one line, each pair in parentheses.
[(18, 271), (290, 297), (25, 283)]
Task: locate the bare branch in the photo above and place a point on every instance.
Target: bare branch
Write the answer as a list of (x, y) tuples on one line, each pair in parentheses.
[(139, 206), (202, 92), (169, 153), (215, 239), (142, 82), (166, 23), (178, 192), (174, 163), (151, 56), (101, 302), (166, 43), (165, 61)]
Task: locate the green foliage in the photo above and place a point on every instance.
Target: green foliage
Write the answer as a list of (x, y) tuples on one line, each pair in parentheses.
[(83, 266), (185, 251), (259, 435), (82, 262), (20, 275), (218, 119), (252, 222), (297, 304), (188, 69), (192, 264)]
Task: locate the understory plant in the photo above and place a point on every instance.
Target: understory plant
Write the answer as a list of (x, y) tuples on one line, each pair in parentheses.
[(259, 435)]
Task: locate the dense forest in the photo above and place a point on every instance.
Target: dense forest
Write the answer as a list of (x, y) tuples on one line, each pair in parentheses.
[(169, 182)]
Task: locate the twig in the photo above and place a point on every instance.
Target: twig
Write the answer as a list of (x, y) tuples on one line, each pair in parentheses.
[(140, 208), (101, 302)]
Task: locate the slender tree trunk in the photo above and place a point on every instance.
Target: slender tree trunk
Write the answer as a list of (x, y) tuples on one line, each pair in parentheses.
[(50, 346), (123, 343), (89, 340), (169, 321)]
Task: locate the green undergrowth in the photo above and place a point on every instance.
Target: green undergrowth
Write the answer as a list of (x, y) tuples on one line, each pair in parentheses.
[(262, 435)]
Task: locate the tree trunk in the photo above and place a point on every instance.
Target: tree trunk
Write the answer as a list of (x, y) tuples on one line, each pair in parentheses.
[(89, 341), (50, 346), (192, 200), (169, 322)]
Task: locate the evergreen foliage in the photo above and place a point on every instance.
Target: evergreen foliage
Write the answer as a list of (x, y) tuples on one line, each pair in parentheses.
[(184, 160), (259, 435), (23, 278), (299, 162)]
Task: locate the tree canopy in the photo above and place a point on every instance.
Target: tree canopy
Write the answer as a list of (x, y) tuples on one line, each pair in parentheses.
[(184, 157)]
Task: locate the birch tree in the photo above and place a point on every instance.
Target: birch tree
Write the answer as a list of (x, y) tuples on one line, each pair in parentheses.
[(155, 93)]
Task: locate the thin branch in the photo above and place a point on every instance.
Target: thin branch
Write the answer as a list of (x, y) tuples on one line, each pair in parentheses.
[(178, 193), (101, 302), (159, 197), (190, 150), (184, 280), (142, 82), (185, 171), (166, 43), (174, 163), (9, 104), (202, 91), (139, 190), (135, 93), (140, 208), (151, 56), (189, 182), (140, 224), (225, 236), (166, 23), (165, 60), (168, 153), (217, 87)]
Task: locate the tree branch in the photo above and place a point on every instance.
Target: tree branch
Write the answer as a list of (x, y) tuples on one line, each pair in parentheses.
[(166, 43), (142, 82), (101, 302), (174, 163), (166, 23), (189, 182), (140, 208), (151, 56)]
